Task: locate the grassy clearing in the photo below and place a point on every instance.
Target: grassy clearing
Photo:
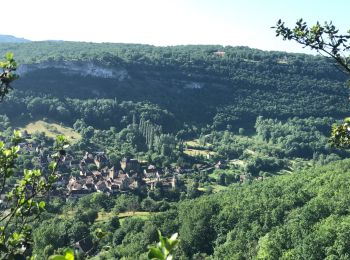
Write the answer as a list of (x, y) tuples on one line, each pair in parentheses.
[(67, 214), (237, 162), (194, 152), (52, 130), (137, 214), (251, 152), (216, 188), (144, 214), (199, 151), (193, 143), (105, 216)]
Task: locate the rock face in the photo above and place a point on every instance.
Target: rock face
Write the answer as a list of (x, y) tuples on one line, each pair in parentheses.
[(84, 69)]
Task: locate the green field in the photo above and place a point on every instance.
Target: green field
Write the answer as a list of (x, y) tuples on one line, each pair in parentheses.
[(194, 152), (141, 214), (193, 143), (196, 149), (216, 188), (52, 130), (104, 216)]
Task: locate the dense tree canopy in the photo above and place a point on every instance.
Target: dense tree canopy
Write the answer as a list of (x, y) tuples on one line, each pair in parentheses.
[(192, 83)]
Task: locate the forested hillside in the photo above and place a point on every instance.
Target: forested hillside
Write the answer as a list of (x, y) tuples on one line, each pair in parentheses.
[(300, 216), (213, 85)]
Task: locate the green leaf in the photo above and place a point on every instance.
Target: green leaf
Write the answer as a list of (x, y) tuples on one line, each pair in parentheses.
[(42, 204), (161, 239), (52, 166), (69, 255), (9, 56), (155, 253), (37, 173), (17, 137)]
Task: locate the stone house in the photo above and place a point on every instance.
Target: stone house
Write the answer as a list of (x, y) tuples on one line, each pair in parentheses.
[(100, 160), (101, 186), (128, 165)]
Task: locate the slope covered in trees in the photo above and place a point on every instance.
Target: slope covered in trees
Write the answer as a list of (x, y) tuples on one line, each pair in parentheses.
[(213, 85), (300, 216)]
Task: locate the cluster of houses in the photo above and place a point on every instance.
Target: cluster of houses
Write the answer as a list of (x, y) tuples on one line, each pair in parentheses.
[(98, 174), (102, 177)]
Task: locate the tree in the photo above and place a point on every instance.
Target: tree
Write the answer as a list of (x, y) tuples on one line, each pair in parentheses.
[(196, 231), (327, 41), (23, 202), (7, 76)]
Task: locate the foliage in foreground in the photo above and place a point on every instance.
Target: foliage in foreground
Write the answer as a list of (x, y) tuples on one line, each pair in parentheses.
[(326, 40), (163, 249), (23, 202), (8, 67)]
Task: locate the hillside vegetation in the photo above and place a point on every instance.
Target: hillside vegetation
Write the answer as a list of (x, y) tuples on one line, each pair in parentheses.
[(194, 83), (304, 215)]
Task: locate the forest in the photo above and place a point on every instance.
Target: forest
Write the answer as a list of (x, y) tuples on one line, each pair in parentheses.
[(243, 133)]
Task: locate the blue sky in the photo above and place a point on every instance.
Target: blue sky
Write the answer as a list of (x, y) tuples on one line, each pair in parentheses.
[(168, 22)]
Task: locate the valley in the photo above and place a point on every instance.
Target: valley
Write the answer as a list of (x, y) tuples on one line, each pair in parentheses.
[(229, 146)]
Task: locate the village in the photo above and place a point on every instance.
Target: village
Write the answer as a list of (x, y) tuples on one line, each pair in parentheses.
[(94, 172), (133, 175)]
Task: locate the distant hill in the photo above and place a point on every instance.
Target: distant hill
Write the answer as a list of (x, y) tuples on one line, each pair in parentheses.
[(221, 86), (13, 39)]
